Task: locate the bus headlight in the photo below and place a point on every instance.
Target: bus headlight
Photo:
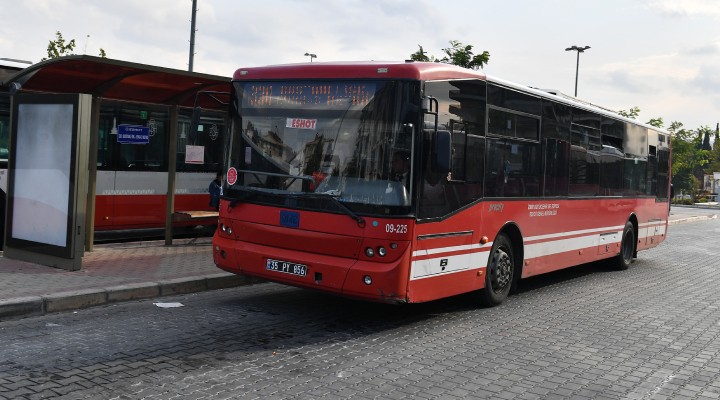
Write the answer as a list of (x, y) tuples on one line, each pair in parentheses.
[(382, 252), (369, 252), (367, 280), (226, 229)]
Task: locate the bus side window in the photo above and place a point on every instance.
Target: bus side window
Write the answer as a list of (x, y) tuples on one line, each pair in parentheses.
[(461, 111)]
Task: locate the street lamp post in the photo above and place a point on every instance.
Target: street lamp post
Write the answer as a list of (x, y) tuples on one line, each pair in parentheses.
[(577, 65), (311, 55), (192, 35)]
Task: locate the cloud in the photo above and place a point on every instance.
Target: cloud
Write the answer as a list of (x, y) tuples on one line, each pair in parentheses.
[(685, 8), (627, 81), (708, 49), (706, 81), (648, 75)]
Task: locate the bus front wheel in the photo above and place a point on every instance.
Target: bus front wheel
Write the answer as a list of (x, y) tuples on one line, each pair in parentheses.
[(499, 273), (627, 247)]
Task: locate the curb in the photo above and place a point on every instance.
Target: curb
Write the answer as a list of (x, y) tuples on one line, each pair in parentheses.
[(79, 299), (692, 219)]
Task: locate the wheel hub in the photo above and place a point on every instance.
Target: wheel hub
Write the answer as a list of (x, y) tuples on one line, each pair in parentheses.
[(502, 271)]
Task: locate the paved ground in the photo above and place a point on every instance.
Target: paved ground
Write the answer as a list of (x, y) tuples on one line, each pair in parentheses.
[(585, 333), (129, 271), (111, 273)]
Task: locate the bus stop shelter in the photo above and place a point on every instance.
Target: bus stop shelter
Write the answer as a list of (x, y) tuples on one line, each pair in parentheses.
[(114, 80)]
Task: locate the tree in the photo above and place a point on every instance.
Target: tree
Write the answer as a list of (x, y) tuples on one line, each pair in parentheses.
[(58, 48), (706, 140), (656, 122), (634, 112), (462, 55), (689, 160), (420, 55), (457, 54), (683, 159), (714, 165), (631, 113), (675, 126)]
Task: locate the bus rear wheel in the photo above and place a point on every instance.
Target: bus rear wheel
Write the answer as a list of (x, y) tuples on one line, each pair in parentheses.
[(499, 273), (627, 248)]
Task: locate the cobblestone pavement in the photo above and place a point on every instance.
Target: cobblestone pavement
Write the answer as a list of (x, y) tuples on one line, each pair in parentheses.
[(651, 332), (110, 264)]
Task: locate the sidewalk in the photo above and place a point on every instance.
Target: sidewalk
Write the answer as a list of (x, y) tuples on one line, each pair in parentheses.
[(112, 273), (130, 271)]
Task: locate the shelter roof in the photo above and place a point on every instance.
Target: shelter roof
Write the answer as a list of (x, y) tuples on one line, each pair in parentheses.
[(121, 80)]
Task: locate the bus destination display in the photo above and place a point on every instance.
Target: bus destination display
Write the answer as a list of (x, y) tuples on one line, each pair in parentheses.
[(333, 95)]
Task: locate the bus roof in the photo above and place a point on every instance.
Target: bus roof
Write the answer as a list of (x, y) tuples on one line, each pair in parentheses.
[(562, 98), (358, 70), (424, 71)]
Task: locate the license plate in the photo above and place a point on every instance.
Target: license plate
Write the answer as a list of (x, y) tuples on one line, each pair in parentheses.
[(286, 267)]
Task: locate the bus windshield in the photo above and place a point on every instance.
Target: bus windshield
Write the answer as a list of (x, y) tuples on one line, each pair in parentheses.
[(350, 140)]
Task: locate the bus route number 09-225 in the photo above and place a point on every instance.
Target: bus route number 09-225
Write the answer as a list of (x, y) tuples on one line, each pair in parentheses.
[(396, 228)]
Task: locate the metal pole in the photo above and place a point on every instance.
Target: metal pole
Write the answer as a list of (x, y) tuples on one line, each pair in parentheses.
[(577, 69), (577, 63), (92, 174), (192, 35), (172, 169)]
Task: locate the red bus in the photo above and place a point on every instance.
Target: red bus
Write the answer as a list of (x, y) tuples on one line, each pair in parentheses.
[(410, 182)]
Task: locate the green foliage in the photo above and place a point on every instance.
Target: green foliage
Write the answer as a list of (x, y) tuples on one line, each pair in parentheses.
[(714, 164), (631, 113), (58, 48), (656, 122), (462, 55), (457, 54), (675, 126), (689, 160), (420, 55), (706, 138), (634, 112)]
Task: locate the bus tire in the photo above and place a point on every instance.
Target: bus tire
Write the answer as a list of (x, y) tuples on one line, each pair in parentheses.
[(499, 274), (627, 248)]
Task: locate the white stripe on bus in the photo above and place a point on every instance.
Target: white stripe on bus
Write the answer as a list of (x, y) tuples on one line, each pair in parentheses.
[(474, 258)]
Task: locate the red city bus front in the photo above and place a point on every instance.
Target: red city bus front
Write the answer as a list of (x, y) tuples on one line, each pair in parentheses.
[(319, 183), (365, 259)]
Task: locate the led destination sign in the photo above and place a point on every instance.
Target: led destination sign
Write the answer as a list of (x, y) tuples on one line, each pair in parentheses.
[(334, 95)]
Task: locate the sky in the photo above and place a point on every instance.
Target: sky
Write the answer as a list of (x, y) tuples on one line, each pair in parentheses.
[(662, 56)]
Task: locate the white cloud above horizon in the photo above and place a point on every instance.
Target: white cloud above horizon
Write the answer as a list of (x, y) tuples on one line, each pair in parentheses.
[(659, 55)]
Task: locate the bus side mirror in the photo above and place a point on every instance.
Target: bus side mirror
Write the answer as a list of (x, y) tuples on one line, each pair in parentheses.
[(442, 157)]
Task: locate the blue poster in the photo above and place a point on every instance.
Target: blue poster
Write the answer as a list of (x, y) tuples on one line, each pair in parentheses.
[(133, 134)]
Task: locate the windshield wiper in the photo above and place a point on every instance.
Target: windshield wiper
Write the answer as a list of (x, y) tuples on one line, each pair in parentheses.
[(245, 194), (292, 178), (333, 195)]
